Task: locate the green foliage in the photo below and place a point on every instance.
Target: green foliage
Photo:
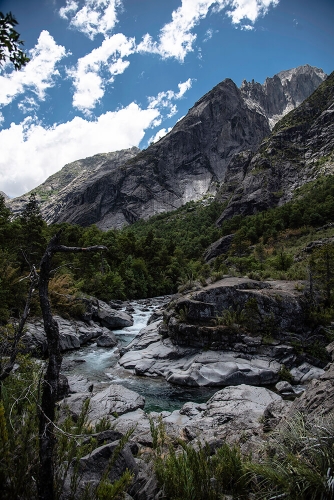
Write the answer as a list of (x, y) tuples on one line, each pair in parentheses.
[(10, 43), (19, 433), (19, 448), (299, 462), (285, 374)]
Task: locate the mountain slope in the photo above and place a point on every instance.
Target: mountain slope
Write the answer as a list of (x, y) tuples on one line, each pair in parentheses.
[(300, 148), (189, 162)]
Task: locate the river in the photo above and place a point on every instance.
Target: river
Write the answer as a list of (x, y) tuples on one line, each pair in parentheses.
[(98, 365)]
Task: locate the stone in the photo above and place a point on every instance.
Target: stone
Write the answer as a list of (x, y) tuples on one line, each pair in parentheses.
[(318, 398), (305, 372), (111, 318), (107, 340), (93, 466), (109, 403), (193, 367), (284, 387)]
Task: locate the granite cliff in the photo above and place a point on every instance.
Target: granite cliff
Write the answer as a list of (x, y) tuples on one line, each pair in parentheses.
[(220, 133), (299, 149)]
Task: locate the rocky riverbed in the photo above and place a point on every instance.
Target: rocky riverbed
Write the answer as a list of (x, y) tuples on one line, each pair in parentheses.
[(224, 383)]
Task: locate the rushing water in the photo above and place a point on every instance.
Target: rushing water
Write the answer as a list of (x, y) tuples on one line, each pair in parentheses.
[(98, 365)]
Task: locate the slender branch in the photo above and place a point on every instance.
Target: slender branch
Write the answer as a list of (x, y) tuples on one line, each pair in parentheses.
[(33, 276)]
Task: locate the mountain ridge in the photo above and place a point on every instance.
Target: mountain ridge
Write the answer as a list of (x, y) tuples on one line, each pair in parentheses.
[(191, 161)]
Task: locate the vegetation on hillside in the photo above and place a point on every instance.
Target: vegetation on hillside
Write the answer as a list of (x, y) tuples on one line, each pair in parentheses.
[(158, 256), (297, 463)]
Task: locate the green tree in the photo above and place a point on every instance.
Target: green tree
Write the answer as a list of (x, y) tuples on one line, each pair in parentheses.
[(33, 225), (10, 43), (322, 267)]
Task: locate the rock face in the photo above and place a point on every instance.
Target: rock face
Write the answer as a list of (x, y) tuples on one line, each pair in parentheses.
[(72, 177), (299, 149), (76, 333), (283, 92), (232, 332), (247, 311), (223, 128)]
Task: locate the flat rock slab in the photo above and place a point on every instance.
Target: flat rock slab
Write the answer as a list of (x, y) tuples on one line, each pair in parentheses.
[(113, 401), (183, 366)]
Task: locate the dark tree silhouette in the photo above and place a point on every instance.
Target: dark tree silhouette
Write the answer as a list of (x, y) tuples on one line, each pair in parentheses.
[(51, 378), (10, 43)]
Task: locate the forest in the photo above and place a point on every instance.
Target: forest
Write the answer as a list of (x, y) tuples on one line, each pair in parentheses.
[(158, 256)]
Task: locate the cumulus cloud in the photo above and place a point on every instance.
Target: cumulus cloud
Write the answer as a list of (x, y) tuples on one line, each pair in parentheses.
[(96, 16), (249, 9), (164, 99), (159, 135), (176, 39), (38, 75), (35, 152), (87, 80)]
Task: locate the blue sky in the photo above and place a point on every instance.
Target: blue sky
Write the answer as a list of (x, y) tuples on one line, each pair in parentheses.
[(110, 74)]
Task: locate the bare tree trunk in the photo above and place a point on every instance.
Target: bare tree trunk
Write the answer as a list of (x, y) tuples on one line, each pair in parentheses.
[(51, 377)]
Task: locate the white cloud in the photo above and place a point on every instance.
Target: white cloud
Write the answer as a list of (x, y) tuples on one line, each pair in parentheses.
[(71, 7), (208, 35), (176, 38), (88, 82), (249, 9), (246, 27), (35, 152), (38, 75), (2, 119), (96, 16), (164, 99), (159, 135), (27, 105)]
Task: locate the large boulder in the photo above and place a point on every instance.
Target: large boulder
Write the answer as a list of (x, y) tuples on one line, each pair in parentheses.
[(111, 318), (113, 401), (249, 317), (92, 467)]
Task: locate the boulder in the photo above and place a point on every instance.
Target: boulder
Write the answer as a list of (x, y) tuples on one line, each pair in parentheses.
[(93, 466), (318, 399), (107, 340), (111, 318), (113, 401), (306, 372), (219, 247)]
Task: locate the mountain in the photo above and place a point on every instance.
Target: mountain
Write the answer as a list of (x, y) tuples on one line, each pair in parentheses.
[(221, 131), (69, 179), (300, 148)]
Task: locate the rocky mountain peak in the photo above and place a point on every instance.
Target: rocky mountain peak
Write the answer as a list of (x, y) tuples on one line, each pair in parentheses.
[(283, 92)]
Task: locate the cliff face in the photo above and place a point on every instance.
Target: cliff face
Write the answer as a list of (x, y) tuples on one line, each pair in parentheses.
[(299, 149), (211, 146), (283, 92)]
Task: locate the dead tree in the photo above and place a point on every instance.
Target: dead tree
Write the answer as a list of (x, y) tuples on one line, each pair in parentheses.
[(51, 377)]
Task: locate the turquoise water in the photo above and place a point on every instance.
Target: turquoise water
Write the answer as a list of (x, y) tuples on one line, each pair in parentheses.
[(98, 364)]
